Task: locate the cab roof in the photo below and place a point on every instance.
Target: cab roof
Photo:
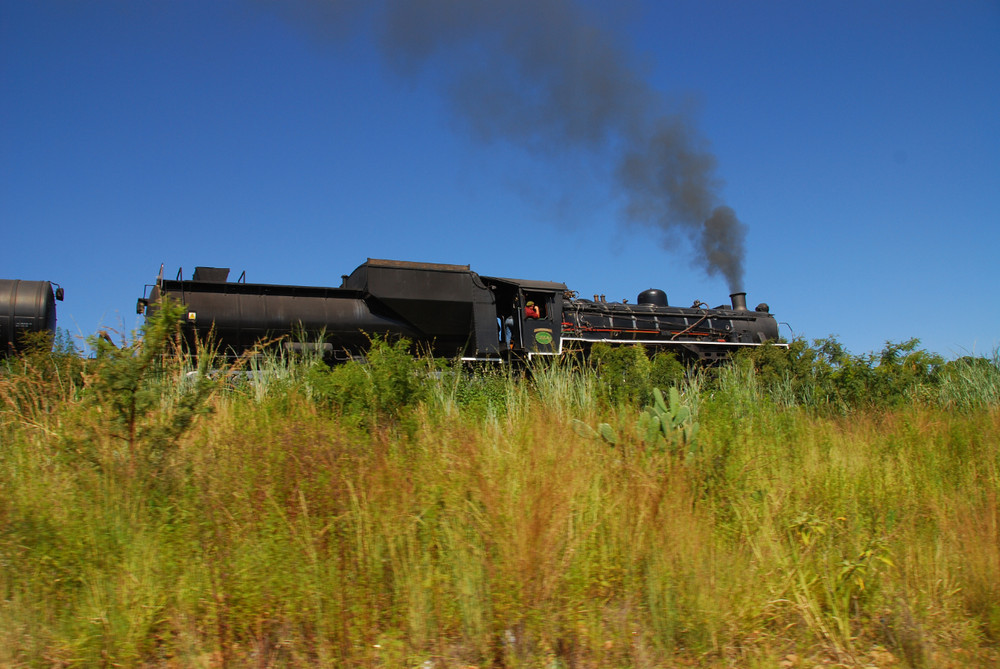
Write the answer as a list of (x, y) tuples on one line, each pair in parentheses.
[(527, 284)]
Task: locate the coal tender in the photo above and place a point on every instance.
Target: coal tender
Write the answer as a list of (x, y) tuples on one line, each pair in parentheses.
[(26, 307), (451, 311)]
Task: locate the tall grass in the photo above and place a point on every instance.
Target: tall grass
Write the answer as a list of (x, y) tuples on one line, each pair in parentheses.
[(972, 383), (400, 512)]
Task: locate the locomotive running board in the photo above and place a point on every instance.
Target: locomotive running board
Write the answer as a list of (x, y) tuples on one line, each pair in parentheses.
[(661, 342)]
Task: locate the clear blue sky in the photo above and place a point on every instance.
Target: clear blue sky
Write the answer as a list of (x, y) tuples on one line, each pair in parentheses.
[(858, 142)]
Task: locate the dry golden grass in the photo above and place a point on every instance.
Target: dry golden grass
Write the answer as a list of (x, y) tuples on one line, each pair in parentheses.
[(278, 530)]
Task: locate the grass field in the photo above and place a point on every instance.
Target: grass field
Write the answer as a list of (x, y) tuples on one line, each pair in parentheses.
[(779, 512)]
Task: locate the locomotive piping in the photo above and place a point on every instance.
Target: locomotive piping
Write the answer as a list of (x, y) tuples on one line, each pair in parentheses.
[(690, 327)]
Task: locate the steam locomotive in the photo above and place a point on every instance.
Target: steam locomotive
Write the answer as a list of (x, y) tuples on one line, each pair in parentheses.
[(26, 307), (450, 311)]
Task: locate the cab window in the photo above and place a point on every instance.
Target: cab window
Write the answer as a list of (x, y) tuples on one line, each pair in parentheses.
[(535, 305)]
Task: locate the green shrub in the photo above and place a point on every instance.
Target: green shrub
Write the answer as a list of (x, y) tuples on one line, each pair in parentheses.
[(623, 372), (388, 383), (145, 392), (666, 370), (483, 393), (826, 375)]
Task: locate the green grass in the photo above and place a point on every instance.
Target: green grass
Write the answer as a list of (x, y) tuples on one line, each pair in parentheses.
[(402, 512)]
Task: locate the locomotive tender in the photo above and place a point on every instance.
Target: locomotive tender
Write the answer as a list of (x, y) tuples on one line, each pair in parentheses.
[(450, 311)]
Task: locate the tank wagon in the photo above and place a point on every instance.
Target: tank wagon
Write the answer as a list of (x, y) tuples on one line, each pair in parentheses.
[(26, 307), (450, 311)]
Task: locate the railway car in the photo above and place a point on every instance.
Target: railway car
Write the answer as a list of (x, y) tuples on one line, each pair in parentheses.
[(26, 307), (450, 311)]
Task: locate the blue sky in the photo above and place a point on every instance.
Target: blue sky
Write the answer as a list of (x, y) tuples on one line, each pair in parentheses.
[(858, 142)]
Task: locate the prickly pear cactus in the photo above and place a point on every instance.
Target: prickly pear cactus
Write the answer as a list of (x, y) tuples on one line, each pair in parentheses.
[(583, 430), (603, 431), (668, 422), (608, 434), (649, 428)]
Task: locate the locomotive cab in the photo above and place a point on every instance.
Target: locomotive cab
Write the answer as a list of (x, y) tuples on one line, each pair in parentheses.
[(540, 319), (529, 314)]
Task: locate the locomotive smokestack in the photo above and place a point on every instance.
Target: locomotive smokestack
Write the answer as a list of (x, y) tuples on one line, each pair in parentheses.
[(739, 301)]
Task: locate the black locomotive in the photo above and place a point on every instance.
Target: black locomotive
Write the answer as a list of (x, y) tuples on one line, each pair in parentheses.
[(450, 311), (26, 307)]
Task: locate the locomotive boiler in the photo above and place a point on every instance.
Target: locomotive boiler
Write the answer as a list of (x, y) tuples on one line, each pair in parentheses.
[(449, 310), (26, 307)]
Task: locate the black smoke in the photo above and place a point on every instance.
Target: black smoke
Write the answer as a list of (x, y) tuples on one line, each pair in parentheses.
[(545, 75)]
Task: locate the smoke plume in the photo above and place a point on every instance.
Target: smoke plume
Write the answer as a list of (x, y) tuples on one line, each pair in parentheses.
[(546, 76)]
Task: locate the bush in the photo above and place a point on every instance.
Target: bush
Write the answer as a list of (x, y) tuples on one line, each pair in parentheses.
[(666, 370), (145, 392), (623, 373), (388, 383), (483, 393), (827, 375)]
